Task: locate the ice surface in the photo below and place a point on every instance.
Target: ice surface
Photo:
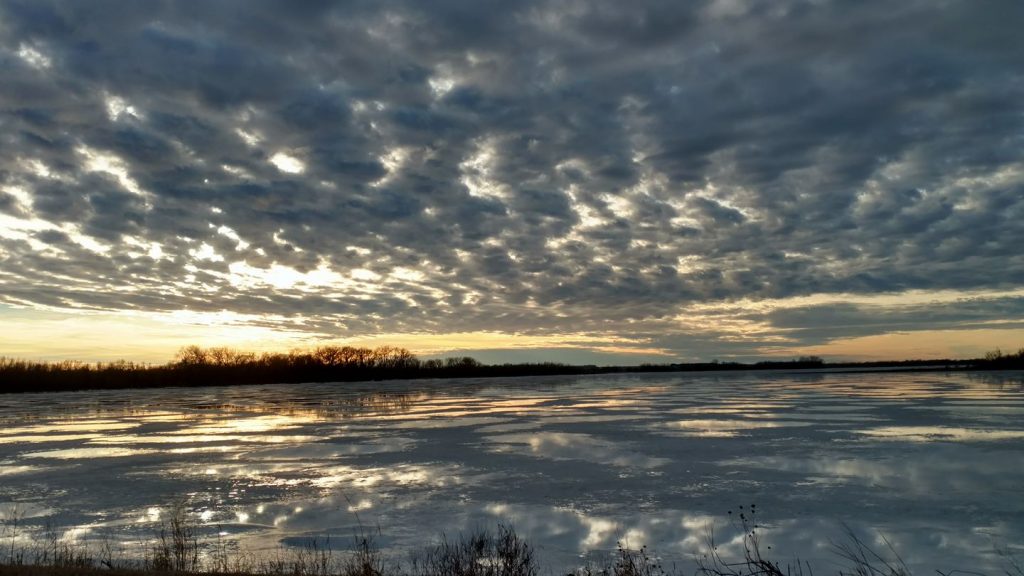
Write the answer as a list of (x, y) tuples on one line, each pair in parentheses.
[(932, 462)]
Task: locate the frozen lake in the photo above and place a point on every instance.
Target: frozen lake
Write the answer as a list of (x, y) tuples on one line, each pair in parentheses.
[(932, 461)]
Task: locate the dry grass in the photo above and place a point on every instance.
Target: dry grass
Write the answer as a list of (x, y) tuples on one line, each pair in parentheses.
[(177, 549), (753, 562), (481, 553), (177, 545), (627, 562)]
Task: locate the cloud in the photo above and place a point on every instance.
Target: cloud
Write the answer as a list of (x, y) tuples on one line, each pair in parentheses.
[(530, 167), (817, 323)]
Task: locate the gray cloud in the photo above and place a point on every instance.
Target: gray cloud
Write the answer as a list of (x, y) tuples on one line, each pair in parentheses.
[(813, 324), (530, 166)]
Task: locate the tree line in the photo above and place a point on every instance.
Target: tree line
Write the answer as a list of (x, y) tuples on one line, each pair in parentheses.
[(197, 366), (217, 366)]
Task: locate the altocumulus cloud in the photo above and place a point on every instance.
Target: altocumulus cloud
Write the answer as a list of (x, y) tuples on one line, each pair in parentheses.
[(685, 177)]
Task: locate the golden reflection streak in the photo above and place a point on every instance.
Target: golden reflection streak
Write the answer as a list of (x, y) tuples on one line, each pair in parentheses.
[(95, 452), (894, 386), (37, 438), (186, 438), (69, 426), (940, 433)]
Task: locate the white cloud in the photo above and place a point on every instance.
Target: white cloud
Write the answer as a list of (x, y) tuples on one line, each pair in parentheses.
[(34, 57), (287, 163)]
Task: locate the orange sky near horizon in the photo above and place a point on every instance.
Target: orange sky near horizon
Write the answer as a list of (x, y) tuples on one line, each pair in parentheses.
[(102, 337)]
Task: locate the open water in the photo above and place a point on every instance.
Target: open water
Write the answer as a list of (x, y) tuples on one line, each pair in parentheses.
[(929, 466)]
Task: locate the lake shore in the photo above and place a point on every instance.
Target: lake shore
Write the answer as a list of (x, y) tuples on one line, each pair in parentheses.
[(196, 366), (498, 552)]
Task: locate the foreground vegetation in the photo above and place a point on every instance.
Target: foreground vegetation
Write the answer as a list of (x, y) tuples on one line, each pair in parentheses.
[(195, 366), (176, 549)]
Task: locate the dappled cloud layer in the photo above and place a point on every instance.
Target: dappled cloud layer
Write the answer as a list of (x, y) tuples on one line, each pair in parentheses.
[(732, 176)]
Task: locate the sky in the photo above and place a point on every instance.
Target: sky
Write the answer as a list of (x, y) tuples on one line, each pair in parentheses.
[(526, 180)]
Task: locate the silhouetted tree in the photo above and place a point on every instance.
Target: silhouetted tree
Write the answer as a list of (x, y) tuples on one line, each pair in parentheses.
[(191, 356)]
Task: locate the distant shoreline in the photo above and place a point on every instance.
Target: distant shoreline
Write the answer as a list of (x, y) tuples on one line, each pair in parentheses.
[(197, 367)]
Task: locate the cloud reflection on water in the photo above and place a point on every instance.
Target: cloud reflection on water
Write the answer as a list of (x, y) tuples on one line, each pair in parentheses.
[(568, 446), (710, 428), (940, 433), (577, 464)]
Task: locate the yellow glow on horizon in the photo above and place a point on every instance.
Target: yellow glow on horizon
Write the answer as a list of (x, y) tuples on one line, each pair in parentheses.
[(89, 335), (431, 344), (156, 337), (923, 344), (727, 318), (140, 337)]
